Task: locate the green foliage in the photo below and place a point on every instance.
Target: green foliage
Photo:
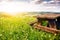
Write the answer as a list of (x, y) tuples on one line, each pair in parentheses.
[(44, 23), (19, 29)]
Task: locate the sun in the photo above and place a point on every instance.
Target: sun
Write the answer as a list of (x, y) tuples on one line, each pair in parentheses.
[(12, 7)]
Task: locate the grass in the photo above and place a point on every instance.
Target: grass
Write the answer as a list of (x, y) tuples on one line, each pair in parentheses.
[(17, 28)]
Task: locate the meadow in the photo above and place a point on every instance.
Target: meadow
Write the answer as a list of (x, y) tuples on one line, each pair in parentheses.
[(18, 28)]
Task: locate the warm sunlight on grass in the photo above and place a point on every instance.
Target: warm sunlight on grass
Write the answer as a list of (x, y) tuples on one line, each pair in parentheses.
[(14, 14), (18, 28)]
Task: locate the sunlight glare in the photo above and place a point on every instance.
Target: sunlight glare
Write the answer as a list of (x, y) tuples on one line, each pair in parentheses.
[(14, 7)]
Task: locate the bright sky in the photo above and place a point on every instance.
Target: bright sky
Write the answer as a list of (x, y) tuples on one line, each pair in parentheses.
[(14, 7)]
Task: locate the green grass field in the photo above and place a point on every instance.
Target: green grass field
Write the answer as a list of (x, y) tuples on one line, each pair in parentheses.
[(17, 28)]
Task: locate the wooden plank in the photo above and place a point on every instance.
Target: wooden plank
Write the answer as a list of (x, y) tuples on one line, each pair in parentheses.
[(48, 16), (51, 30)]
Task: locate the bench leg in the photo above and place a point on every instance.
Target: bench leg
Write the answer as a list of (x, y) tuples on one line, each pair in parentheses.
[(52, 25)]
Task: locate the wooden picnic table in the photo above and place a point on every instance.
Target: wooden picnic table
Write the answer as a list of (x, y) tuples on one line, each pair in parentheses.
[(51, 18)]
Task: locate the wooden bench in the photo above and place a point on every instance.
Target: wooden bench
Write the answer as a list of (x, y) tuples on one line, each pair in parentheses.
[(51, 26)]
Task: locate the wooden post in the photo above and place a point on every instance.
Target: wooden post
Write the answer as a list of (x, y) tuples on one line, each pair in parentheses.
[(52, 23), (39, 21)]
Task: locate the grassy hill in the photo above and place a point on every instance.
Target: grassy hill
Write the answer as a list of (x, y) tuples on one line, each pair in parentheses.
[(17, 28)]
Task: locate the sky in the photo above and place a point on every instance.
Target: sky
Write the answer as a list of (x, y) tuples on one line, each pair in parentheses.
[(28, 0), (15, 7)]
